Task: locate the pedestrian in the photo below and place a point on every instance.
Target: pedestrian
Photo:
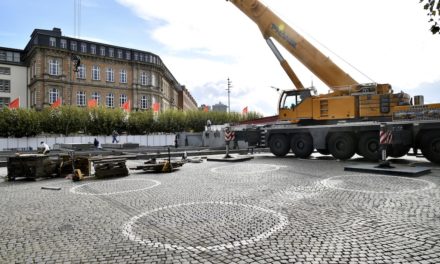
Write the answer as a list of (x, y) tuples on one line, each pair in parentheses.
[(115, 136), (45, 147), (96, 143)]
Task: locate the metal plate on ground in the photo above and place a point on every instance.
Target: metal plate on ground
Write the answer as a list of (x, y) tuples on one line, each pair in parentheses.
[(231, 159), (395, 170)]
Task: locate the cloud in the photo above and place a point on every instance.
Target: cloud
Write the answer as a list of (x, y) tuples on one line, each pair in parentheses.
[(205, 42)]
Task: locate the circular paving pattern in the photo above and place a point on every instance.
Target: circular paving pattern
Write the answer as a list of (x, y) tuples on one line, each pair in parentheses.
[(377, 184), (246, 169), (114, 186), (203, 226)]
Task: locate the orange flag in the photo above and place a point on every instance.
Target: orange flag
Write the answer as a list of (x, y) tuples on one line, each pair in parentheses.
[(92, 103), (206, 109), (245, 110), (156, 107), (126, 106), (15, 104), (57, 103)]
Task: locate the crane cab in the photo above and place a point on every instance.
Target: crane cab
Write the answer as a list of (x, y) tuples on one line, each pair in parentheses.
[(295, 105)]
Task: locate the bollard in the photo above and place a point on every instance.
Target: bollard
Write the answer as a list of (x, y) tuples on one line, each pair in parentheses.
[(229, 135), (386, 138)]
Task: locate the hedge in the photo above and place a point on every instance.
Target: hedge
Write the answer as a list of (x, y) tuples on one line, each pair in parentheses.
[(69, 120)]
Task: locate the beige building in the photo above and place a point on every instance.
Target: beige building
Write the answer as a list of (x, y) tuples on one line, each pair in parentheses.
[(109, 74), (12, 77)]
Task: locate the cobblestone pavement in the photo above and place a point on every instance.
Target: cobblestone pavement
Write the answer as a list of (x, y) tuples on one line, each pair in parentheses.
[(267, 210)]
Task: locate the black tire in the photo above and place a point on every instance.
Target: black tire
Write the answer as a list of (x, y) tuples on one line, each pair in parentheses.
[(397, 151), (279, 145), (369, 146), (430, 146), (323, 151), (342, 145), (302, 145)]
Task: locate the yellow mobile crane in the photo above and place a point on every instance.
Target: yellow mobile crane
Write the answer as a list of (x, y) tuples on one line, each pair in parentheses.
[(347, 120)]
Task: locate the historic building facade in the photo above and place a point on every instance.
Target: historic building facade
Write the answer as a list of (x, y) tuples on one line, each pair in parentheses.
[(110, 75)]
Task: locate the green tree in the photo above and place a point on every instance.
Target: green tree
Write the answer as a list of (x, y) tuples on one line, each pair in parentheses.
[(433, 8)]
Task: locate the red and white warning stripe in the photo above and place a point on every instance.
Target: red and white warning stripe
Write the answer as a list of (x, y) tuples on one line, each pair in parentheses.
[(229, 135), (386, 137)]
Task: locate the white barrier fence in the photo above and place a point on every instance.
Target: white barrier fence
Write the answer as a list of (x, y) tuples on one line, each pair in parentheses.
[(26, 143)]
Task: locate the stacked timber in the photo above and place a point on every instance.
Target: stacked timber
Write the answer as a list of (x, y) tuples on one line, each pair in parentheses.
[(106, 168)]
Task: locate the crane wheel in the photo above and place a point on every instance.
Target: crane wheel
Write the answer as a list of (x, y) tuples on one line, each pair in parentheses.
[(430, 146), (397, 151), (302, 145), (279, 145), (369, 146), (342, 145), (323, 151)]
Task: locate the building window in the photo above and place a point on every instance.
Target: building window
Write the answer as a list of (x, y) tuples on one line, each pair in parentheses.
[(123, 76), (53, 95), (110, 100), (81, 74), (153, 80), (9, 56), (136, 56), (83, 47), (122, 99), (52, 42), (33, 98), (73, 45), (97, 97), (119, 54), (128, 55), (144, 102), (144, 78), (5, 70), (102, 51), (93, 49), (110, 75), (111, 52), (5, 86), (96, 73), (34, 69), (63, 44), (4, 102), (141, 57), (54, 67), (81, 98)]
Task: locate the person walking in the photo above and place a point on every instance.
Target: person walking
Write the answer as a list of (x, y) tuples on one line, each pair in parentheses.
[(115, 136)]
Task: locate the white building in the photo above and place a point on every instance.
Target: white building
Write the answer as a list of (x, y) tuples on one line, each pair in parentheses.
[(13, 77)]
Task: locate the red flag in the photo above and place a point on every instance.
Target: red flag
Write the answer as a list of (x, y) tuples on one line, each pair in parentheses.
[(156, 107), (15, 104), (245, 110), (92, 103), (126, 106), (206, 109), (57, 103)]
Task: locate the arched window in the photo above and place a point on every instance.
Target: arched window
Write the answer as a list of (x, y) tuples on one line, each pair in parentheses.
[(110, 75)]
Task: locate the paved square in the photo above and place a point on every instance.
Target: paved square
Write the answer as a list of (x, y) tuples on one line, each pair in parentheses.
[(266, 210)]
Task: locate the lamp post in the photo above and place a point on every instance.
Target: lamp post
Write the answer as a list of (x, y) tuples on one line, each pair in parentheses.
[(229, 92)]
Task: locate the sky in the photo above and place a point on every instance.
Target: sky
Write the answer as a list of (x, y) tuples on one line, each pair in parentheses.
[(205, 42)]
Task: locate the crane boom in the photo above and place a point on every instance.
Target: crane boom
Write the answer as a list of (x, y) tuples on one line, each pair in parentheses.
[(272, 26)]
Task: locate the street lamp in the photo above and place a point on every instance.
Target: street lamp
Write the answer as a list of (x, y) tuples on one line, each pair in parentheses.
[(229, 92)]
